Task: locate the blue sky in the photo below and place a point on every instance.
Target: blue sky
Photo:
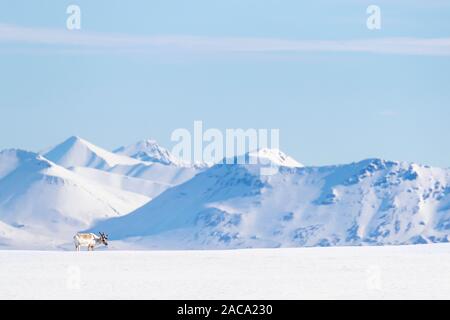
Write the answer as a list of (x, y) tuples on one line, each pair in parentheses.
[(232, 64)]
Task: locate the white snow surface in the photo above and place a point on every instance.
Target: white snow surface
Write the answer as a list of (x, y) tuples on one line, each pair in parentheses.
[(273, 156), (407, 272), (144, 187), (10, 159), (157, 172)]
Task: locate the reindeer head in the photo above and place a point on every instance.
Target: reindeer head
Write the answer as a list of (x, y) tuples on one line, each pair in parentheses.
[(104, 238)]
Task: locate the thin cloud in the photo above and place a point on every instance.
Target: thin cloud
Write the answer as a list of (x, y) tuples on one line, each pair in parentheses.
[(60, 38)]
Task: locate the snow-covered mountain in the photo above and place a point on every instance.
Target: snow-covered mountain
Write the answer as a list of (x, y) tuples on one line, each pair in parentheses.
[(271, 156), (169, 175), (373, 202), (144, 187), (45, 199), (149, 151), (42, 198), (16, 238), (77, 152), (10, 159), (144, 196)]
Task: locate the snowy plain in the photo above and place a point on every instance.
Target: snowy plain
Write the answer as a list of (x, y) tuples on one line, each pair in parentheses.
[(393, 272)]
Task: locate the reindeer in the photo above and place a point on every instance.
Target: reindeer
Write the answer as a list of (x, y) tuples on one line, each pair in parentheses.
[(89, 240)]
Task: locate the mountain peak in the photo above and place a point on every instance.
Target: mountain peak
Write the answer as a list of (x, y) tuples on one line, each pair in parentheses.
[(150, 142), (77, 152), (149, 151), (75, 138), (10, 159), (274, 156)]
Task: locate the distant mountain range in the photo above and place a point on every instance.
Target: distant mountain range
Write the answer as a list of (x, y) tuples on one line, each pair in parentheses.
[(146, 198)]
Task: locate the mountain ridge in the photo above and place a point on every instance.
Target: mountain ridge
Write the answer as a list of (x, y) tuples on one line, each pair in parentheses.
[(161, 204), (149, 151), (77, 152), (372, 202)]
